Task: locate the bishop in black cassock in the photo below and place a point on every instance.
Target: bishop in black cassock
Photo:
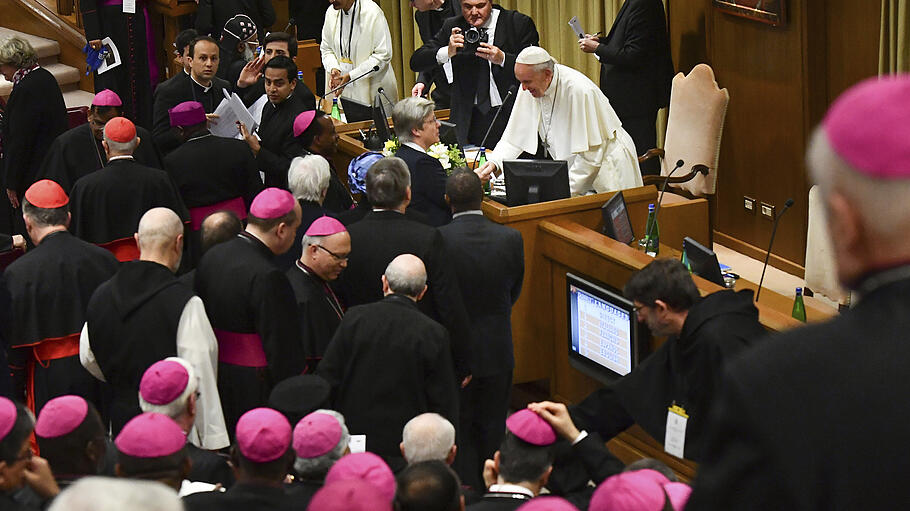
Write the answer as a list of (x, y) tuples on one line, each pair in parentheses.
[(200, 85), (316, 135), (251, 305), (79, 152), (50, 287), (108, 204)]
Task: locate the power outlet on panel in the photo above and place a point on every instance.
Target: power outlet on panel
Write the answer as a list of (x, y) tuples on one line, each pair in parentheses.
[(767, 211), (749, 205)]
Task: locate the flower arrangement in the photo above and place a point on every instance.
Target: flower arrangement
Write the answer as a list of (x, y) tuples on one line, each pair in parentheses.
[(449, 156)]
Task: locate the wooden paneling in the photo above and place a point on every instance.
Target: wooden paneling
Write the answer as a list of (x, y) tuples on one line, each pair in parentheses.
[(688, 38), (852, 43)]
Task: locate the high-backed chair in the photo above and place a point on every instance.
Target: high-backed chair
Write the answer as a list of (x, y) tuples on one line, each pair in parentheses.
[(821, 272), (694, 128)]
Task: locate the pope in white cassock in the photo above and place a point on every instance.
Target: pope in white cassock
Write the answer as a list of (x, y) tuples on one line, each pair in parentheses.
[(575, 122)]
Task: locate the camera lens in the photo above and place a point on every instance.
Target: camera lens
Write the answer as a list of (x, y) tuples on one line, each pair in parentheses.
[(472, 36)]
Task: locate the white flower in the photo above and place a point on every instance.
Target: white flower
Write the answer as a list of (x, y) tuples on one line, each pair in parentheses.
[(389, 148)]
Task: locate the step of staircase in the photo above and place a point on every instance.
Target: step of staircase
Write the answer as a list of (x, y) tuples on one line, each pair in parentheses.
[(48, 51)]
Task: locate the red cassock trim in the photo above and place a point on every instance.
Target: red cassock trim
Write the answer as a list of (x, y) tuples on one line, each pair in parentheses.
[(240, 349), (123, 249), (197, 215)]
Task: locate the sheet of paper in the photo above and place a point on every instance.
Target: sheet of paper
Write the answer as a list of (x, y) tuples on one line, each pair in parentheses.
[(111, 56), (226, 123), (576, 27), (256, 108), (358, 443), (243, 115), (129, 6)]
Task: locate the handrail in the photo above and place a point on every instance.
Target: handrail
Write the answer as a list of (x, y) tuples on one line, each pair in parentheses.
[(65, 30)]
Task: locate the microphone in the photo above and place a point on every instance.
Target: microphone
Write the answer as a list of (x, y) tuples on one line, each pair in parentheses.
[(336, 89), (381, 91), (663, 188), (291, 23), (483, 143), (787, 206)]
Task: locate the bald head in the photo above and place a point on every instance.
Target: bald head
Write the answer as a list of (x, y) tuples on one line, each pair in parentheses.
[(160, 237), (219, 227), (429, 436), (405, 275)]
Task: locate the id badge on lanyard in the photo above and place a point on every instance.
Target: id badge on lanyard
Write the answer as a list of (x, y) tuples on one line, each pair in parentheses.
[(675, 438), (129, 6)]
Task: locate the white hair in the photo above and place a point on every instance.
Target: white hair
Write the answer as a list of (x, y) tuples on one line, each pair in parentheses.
[(318, 467), (121, 147), (426, 437), (549, 65), (176, 408), (406, 274), (308, 177), (110, 494), (410, 114), (883, 204), (158, 227)]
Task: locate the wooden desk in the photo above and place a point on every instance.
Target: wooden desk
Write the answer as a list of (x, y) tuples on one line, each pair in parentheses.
[(171, 11), (568, 246), (530, 319), (308, 60)]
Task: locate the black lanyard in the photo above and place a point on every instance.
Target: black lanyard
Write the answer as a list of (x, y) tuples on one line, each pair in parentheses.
[(350, 33)]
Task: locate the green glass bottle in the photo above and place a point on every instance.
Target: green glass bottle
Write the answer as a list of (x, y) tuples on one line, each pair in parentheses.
[(799, 308), (482, 160), (336, 114), (685, 262), (652, 233)]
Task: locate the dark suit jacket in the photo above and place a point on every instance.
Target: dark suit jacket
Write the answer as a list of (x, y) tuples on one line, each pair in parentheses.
[(488, 259), (309, 16), (388, 363), (428, 24), (500, 502), (428, 185), (213, 14), (176, 90), (514, 32), (209, 169), (383, 235), (815, 417), (636, 69), (35, 115)]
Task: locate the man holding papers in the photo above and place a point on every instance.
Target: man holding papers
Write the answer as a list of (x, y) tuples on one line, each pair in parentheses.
[(574, 121)]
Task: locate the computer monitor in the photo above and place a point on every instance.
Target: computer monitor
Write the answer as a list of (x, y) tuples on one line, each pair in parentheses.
[(602, 330), (616, 219), (447, 134), (532, 181), (380, 119), (702, 261), (355, 111)]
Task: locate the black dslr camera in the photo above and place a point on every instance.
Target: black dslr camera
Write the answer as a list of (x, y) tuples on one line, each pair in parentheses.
[(472, 39)]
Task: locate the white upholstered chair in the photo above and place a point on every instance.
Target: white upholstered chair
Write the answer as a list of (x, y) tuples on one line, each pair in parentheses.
[(821, 272)]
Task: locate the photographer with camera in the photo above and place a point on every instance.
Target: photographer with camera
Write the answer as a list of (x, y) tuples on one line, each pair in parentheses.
[(482, 45)]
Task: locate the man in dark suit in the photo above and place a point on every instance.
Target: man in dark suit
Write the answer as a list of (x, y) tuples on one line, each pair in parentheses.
[(430, 15), (389, 362), (816, 417), (386, 233), (636, 69), (200, 85), (482, 78), (488, 259), (417, 129)]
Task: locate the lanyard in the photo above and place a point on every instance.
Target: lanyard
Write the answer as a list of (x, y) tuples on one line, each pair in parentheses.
[(350, 32)]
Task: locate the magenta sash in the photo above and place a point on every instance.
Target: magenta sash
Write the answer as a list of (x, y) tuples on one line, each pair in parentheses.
[(240, 349), (197, 215)]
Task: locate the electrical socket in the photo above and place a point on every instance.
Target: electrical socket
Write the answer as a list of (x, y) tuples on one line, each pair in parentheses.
[(767, 211), (749, 204)]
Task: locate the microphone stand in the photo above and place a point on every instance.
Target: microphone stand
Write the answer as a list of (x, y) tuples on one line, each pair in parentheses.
[(483, 143), (770, 244), (663, 188), (336, 89)]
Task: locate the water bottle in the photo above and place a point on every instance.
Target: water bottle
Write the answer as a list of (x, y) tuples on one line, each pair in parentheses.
[(799, 308), (652, 233), (336, 114), (480, 163)]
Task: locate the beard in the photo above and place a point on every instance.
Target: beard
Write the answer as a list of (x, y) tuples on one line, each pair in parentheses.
[(247, 54)]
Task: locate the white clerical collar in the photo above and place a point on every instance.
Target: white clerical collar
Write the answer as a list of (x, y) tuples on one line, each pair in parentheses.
[(511, 488), (469, 212), (120, 157), (204, 88), (415, 146)]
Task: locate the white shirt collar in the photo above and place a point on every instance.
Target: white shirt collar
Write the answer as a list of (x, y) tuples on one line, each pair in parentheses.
[(511, 488), (415, 146), (469, 212), (120, 157), (204, 88)]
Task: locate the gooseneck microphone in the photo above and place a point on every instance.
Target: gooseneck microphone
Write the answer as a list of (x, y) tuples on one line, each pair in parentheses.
[(336, 89), (381, 91), (663, 188), (787, 206), (483, 143)]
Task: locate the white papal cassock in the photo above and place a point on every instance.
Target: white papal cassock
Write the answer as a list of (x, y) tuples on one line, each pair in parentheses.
[(577, 124)]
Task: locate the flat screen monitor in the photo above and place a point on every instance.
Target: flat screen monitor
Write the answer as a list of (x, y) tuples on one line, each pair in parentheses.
[(616, 219), (355, 111), (702, 261), (533, 181), (380, 119), (447, 133), (603, 330)]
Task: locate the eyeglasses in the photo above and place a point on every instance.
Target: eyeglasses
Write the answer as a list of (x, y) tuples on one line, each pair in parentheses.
[(333, 254)]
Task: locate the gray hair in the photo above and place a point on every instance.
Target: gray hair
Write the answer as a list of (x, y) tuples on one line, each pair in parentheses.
[(308, 177), (317, 468), (17, 52), (409, 114), (429, 436), (45, 217), (121, 147), (387, 183), (549, 65), (883, 204), (176, 408), (158, 227), (405, 276), (110, 494)]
